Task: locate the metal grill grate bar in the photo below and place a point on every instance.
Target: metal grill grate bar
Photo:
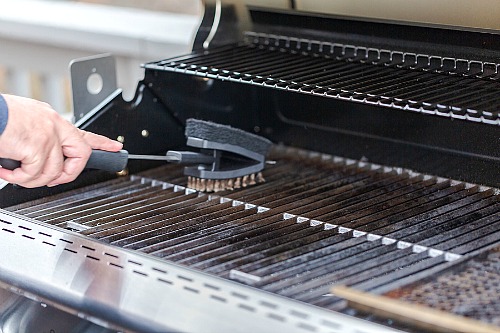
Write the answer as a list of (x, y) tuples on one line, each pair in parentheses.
[(42, 209)]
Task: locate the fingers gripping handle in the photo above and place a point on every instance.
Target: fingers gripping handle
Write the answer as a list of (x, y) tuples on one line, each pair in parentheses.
[(99, 159)]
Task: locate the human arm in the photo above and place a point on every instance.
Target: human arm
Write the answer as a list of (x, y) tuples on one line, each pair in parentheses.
[(51, 150)]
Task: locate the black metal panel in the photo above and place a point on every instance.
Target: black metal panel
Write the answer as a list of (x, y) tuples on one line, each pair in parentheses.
[(455, 148), (145, 125), (203, 98)]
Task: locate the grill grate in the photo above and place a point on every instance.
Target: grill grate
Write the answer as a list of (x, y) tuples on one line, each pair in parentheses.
[(474, 284), (458, 88), (317, 221)]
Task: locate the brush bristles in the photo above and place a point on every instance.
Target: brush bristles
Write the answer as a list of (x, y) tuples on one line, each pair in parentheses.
[(217, 185)]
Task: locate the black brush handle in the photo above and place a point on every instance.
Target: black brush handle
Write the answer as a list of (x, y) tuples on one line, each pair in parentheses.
[(9, 164), (99, 159), (108, 161)]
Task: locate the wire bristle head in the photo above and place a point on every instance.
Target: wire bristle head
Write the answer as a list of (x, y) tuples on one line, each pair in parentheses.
[(217, 185), (210, 185)]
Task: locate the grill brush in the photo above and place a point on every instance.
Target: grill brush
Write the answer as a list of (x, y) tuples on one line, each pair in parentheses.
[(238, 156), (229, 158)]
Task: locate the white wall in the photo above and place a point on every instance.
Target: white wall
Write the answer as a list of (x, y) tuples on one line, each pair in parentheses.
[(38, 39)]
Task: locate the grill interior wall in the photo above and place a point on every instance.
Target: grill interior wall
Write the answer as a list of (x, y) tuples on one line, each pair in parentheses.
[(317, 221), (426, 112)]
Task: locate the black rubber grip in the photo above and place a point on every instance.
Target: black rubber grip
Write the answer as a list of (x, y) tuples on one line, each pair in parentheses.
[(108, 161), (9, 164), (99, 159)]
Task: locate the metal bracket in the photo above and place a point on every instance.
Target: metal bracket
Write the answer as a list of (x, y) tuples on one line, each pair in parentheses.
[(224, 21), (93, 79)]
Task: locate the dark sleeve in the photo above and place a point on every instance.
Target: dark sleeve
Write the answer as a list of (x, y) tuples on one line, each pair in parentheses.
[(3, 114)]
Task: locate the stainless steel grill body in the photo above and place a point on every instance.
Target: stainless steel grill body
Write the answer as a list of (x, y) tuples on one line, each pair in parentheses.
[(318, 221), (383, 177), (113, 290)]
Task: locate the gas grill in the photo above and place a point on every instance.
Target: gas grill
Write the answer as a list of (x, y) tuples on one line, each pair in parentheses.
[(383, 178)]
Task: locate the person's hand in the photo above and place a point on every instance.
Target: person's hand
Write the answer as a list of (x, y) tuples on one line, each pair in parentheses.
[(51, 150)]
